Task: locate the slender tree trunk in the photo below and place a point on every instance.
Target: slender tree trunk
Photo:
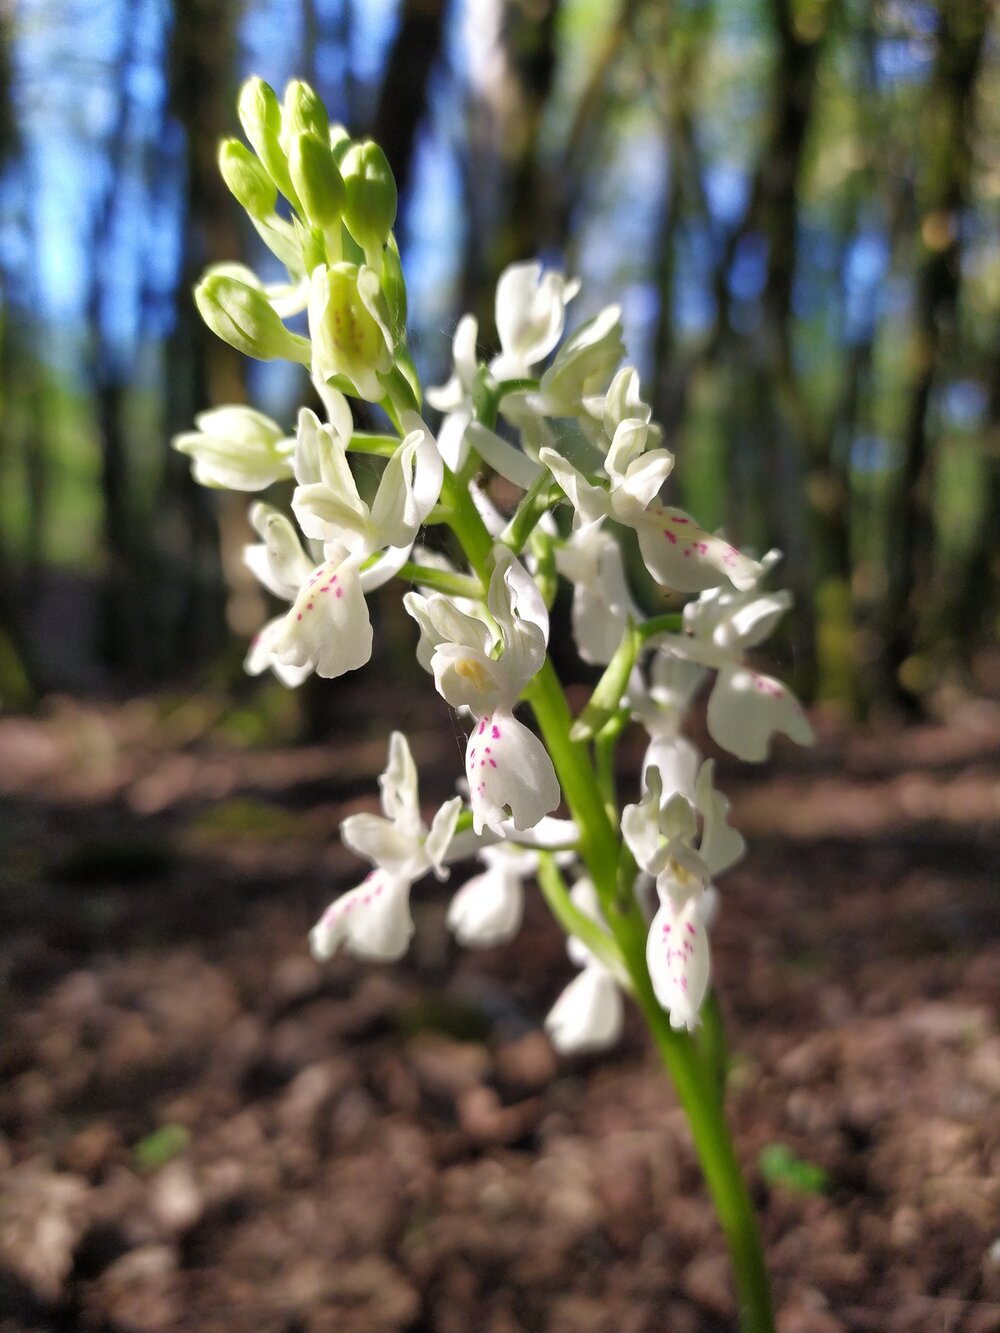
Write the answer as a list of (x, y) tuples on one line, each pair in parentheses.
[(942, 196)]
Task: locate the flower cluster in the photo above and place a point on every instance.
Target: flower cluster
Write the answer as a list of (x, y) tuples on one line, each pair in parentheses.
[(560, 419)]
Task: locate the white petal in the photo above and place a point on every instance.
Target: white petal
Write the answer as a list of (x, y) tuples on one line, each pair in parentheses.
[(516, 605), (386, 844), (746, 708), (409, 487), (589, 1014), (646, 475), (452, 443), (678, 960), (681, 555), (589, 502), (640, 822), (439, 840), (677, 761), (398, 785), (508, 768), (602, 603), (487, 910), (751, 622), (327, 629), (379, 570), (279, 562), (371, 921), (501, 456), (530, 316)]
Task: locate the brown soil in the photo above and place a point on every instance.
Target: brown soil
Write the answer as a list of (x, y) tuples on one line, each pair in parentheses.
[(201, 1129)]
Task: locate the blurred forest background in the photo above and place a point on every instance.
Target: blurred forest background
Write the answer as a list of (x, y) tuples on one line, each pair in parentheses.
[(797, 202)]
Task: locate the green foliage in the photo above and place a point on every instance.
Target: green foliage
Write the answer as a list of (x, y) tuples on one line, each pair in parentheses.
[(782, 1169), (160, 1147)]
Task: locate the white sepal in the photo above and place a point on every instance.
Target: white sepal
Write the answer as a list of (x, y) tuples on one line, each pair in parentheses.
[(746, 708), (530, 317)]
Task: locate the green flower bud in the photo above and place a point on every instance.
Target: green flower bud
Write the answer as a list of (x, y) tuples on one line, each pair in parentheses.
[(242, 316), (303, 112), (371, 197), (317, 181), (260, 116), (394, 288), (247, 180), (349, 323), (237, 448)]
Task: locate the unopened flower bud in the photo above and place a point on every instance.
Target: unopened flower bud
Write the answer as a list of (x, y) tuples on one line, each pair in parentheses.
[(237, 448), (260, 116), (349, 324), (242, 316), (371, 197), (317, 181), (248, 182), (303, 112)]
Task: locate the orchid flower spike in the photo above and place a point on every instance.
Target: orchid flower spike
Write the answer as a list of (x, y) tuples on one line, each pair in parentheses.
[(373, 920)]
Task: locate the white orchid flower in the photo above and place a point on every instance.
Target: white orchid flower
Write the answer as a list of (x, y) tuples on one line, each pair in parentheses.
[(677, 552), (530, 317), (590, 1012), (745, 707), (236, 448), (327, 629), (454, 398), (398, 840), (662, 836), (506, 765), (373, 920), (488, 908), (602, 603)]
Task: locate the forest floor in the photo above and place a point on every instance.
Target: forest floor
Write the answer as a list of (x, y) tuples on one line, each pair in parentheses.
[(202, 1129)]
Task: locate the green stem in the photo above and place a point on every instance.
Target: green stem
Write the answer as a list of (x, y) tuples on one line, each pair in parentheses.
[(536, 502), (572, 920), (440, 580), (705, 1109), (671, 623), (364, 442)]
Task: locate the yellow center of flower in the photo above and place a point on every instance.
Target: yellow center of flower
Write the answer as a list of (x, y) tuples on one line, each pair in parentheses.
[(469, 669)]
